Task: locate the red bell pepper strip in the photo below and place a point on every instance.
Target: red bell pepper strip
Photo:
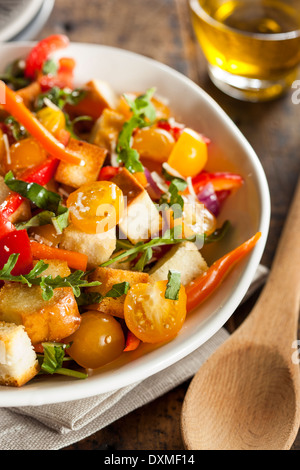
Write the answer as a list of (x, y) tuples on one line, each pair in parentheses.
[(74, 259), (132, 342), (15, 106), (41, 52), (203, 286), (64, 77), (220, 181), (107, 173), (16, 242), (174, 129), (5, 227), (41, 174)]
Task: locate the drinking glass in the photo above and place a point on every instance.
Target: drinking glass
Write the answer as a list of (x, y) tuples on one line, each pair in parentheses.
[(252, 46)]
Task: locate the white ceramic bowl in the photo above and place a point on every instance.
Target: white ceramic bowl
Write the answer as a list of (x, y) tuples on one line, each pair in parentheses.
[(248, 210)]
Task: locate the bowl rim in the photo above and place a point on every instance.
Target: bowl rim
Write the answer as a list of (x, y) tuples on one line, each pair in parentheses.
[(157, 360)]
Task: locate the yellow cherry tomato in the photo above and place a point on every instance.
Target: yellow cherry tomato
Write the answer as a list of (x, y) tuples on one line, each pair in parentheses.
[(98, 341), (150, 316), (189, 155), (52, 119), (153, 143), (96, 207), (26, 154)]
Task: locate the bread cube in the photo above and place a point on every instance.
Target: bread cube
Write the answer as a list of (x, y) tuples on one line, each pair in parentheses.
[(184, 258), (108, 278), (77, 175), (99, 95), (106, 129), (18, 361), (43, 320), (55, 268), (98, 247), (141, 220)]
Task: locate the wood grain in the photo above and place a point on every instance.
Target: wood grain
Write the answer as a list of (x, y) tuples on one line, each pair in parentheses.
[(247, 395), (162, 29)]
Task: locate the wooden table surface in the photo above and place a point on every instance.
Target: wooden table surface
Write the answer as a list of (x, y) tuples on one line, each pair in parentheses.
[(161, 29)]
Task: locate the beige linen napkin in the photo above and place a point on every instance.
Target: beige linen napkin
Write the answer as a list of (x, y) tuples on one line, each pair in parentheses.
[(52, 427)]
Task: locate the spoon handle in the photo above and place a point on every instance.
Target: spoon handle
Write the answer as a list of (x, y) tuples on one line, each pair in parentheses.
[(276, 313)]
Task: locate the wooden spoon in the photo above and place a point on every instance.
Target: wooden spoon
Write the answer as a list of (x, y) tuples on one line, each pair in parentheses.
[(247, 395)]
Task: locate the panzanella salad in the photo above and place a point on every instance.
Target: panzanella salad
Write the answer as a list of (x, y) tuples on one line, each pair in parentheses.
[(106, 204)]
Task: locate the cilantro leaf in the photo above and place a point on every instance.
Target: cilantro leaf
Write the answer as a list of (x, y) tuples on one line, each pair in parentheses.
[(173, 286)]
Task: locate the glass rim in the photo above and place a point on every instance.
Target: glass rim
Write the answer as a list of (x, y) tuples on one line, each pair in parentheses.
[(201, 13)]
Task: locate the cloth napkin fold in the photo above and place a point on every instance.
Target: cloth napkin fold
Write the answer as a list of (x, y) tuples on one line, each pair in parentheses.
[(53, 427)]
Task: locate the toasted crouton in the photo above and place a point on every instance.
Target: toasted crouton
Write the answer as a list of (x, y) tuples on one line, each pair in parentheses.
[(106, 129), (55, 268), (23, 212), (98, 247), (184, 258), (43, 320), (108, 278), (77, 175), (18, 361), (140, 220), (99, 95)]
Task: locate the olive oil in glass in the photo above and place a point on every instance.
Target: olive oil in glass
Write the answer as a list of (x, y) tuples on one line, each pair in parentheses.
[(252, 46)]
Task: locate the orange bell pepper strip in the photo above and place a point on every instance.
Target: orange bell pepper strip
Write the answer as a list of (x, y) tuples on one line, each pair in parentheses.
[(132, 342), (15, 106), (203, 286), (74, 259)]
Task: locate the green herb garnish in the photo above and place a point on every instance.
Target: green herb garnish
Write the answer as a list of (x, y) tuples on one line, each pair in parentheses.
[(53, 358), (173, 199), (54, 213), (60, 97), (173, 286), (90, 298), (170, 237), (14, 75), (50, 67), (144, 114), (18, 131), (75, 280)]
